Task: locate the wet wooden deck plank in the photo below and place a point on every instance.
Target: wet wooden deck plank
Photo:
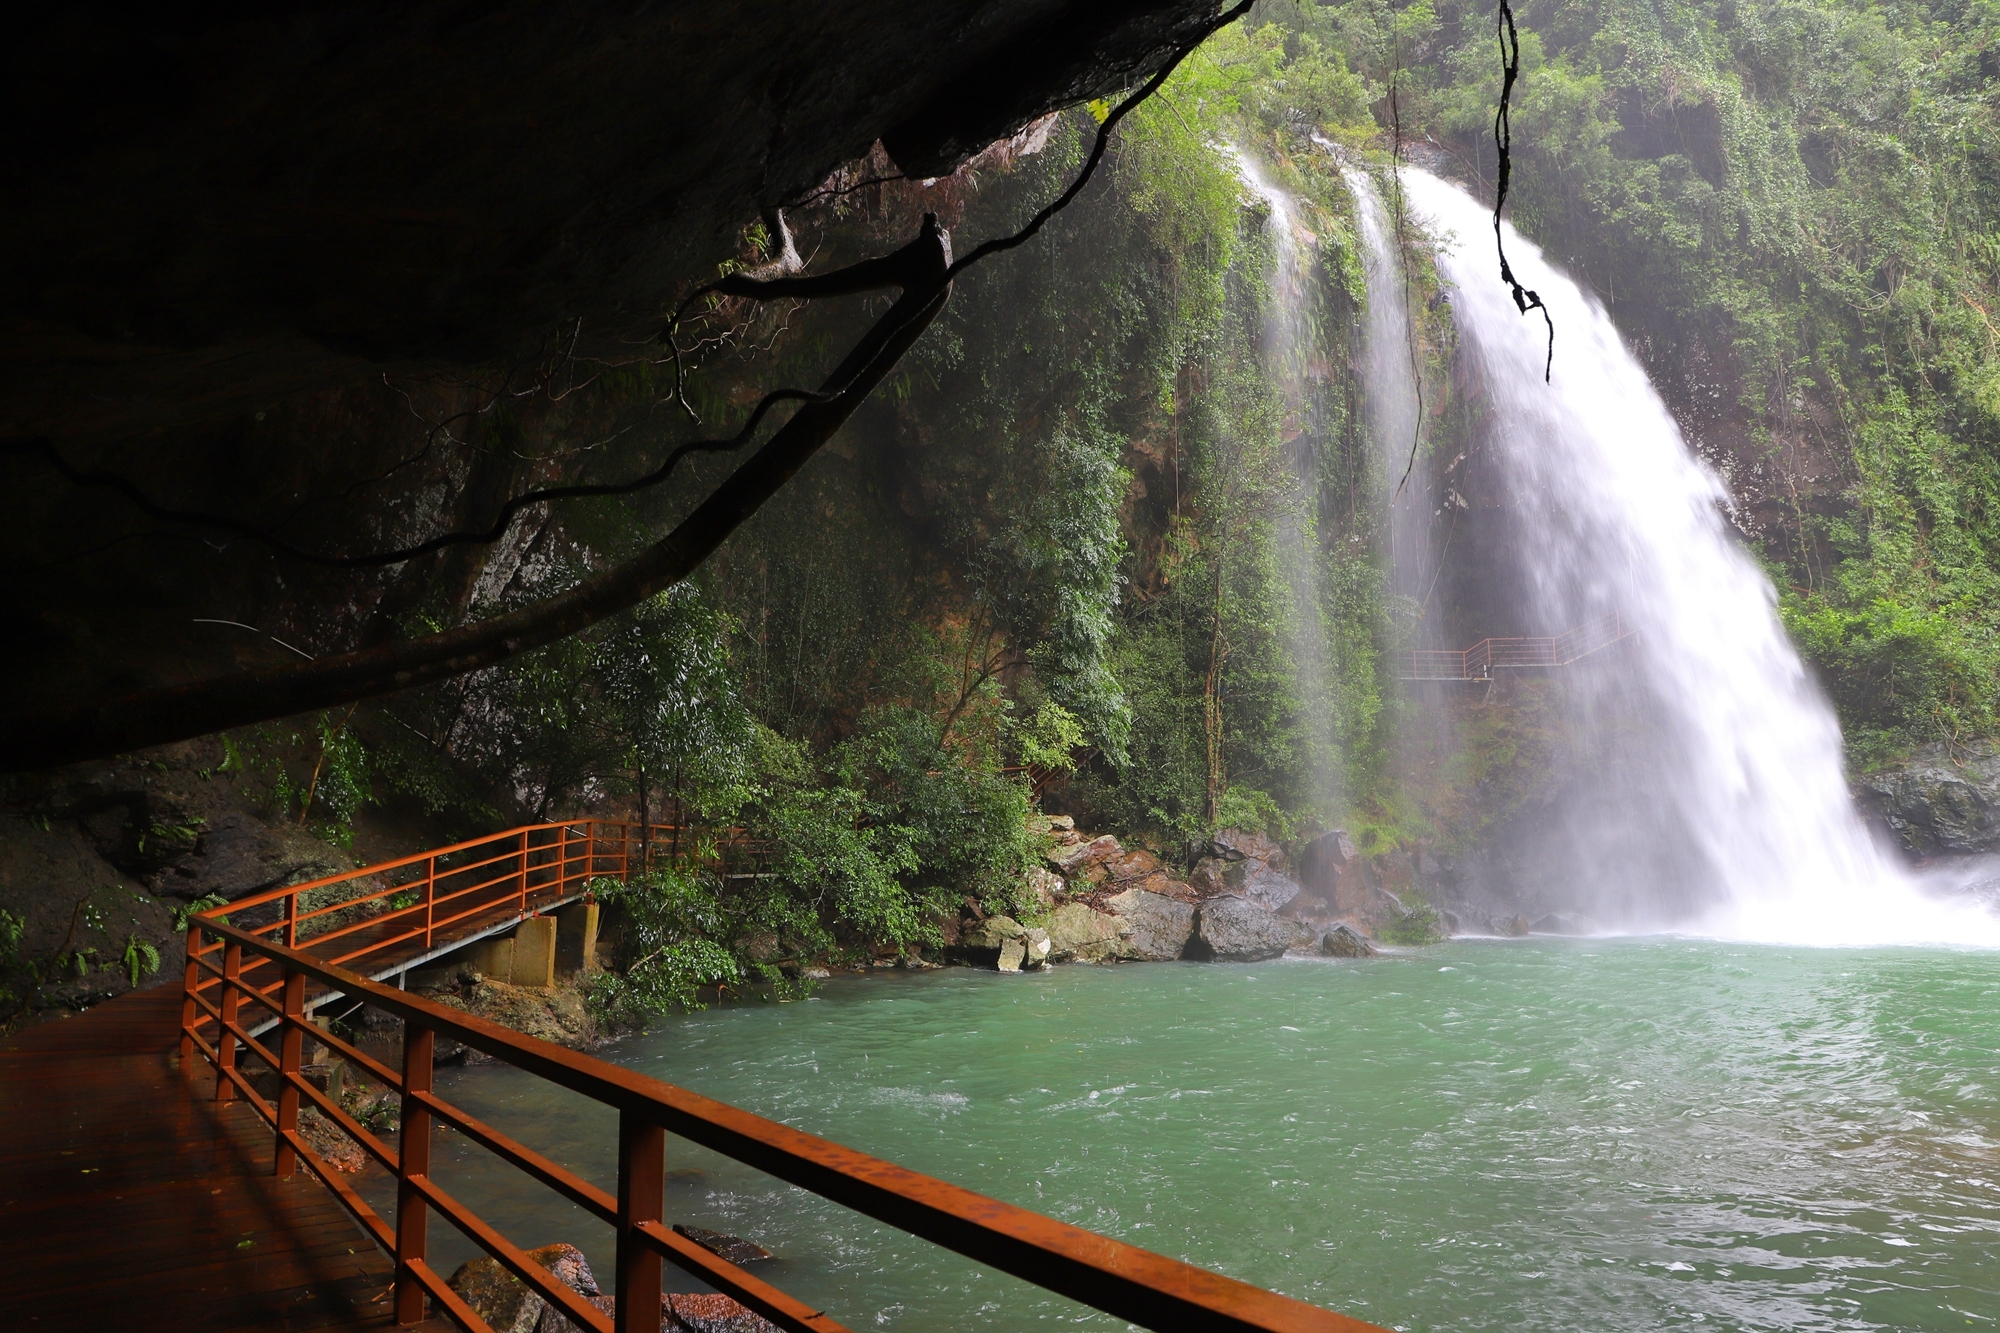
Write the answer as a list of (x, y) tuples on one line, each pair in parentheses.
[(127, 1194)]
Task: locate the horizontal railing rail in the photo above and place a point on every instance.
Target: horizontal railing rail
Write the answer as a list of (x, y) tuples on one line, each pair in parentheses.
[(392, 914), (1488, 655), (1122, 1280)]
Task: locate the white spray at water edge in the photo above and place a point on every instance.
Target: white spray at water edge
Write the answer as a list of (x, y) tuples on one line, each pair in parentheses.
[(1743, 751)]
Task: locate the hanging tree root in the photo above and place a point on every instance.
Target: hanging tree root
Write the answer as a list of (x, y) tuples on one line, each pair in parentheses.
[(1503, 137)]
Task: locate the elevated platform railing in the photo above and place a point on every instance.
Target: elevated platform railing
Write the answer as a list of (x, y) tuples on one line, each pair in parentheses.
[(1483, 659), (383, 920), (1122, 1280)]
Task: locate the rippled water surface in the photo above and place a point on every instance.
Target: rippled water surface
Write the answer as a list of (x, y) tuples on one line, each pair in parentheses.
[(1543, 1134)]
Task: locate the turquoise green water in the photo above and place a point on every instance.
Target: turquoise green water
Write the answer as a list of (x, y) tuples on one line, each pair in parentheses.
[(1545, 1134)]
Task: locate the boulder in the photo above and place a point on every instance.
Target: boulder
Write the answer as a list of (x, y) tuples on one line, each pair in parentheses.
[(1345, 942), (1516, 925), (1156, 927), (1266, 887), (1078, 858), (506, 1303), (680, 1312), (1079, 933), (991, 933), (1940, 799), (1244, 877), (1237, 845), (1236, 930), (1046, 887), (1210, 876), (1012, 953), (1036, 945), (1062, 823), (735, 1249), (1558, 923)]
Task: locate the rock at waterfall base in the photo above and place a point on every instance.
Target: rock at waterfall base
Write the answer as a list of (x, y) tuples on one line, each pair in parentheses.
[(1345, 942), (1236, 930), (1079, 933), (1941, 799), (1012, 953), (1157, 926)]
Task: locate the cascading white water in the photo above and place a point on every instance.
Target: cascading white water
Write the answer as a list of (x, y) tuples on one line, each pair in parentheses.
[(1288, 355), (1720, 774), (1389, 392)]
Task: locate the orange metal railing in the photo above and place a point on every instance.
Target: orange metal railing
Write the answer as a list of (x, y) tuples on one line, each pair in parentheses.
[(1482, 659), (224, 961), (388, 917)]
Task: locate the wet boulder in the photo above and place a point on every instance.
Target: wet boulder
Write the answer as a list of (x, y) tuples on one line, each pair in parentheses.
[(1157, 926), (1236, 930), (1346, 942), (1940, 799), (506, 1303), (1079, 933), (1564, 923)]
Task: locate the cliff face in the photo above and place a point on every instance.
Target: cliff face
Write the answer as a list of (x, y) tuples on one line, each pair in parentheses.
[(272, 265), (217, 207)]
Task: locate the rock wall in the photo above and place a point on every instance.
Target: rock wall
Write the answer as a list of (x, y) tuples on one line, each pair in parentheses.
[(1942, 800)]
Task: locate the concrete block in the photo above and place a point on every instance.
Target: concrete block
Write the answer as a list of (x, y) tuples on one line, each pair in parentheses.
[(535, 952), (492, 957), (576, 939)]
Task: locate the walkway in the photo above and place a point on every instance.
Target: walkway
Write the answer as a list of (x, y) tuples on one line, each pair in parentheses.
[(129, 1200), (1483, 660)]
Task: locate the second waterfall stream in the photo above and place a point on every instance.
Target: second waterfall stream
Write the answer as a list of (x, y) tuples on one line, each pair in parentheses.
[(1718, 802)]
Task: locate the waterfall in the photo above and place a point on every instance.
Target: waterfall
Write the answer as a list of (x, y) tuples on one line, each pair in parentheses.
[(1288, 352), (1711, 797), (1389, 395)]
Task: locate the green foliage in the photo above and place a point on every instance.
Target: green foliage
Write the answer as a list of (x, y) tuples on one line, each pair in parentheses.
[(139, 959), (1253, 811), (1050, 737), (1420, 925), (672, 699), (673, 924), (1896, 673), (185, 912)]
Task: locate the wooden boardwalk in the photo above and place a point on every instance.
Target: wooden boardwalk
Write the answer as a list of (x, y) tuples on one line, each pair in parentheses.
[(130, 1200)]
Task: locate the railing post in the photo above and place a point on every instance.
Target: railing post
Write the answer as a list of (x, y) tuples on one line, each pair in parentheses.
[(642, 1188), (413, 1161), (291, 1056), (292, 919), (191, 985), (225, 1040), (562, 861), (430, 900), (522, 907)]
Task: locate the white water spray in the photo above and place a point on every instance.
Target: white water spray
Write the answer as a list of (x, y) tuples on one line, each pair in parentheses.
[(1726, 811), (1289, 355)]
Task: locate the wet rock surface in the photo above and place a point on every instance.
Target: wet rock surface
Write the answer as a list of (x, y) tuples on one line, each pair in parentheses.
[(1941, 800), (1237, 930), (508, 1305), (1158, 926), (1079, 933), (1345, 942)]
